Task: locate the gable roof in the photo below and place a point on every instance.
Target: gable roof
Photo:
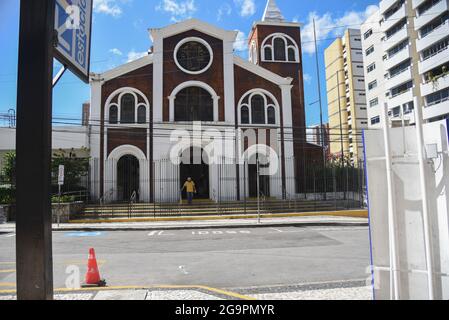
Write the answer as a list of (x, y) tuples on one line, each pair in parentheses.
[(262, 72), (124, 68), (195, 24)]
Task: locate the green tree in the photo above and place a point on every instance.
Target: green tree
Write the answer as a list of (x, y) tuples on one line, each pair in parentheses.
[(9, 168), (8, 178), (75, 168)]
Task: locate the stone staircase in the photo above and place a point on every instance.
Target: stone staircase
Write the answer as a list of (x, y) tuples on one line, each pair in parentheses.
[(210, 208)]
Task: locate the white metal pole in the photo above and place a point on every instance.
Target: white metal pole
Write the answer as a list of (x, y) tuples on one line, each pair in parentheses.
[(394, 261), (425, 204)]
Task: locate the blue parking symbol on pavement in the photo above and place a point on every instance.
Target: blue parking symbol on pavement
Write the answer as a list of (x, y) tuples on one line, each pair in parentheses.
[(83, 234)]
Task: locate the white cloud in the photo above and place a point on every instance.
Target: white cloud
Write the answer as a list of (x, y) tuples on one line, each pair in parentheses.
[(178, 9), (133, 55), (225, 9), (329, 26), (247, 7), (116, 52), (241, 42), (109, 7)]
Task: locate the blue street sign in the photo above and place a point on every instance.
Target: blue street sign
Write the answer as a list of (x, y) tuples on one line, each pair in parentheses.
[(73, 23)]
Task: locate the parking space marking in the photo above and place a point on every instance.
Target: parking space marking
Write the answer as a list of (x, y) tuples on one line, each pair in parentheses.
[(83, 234)]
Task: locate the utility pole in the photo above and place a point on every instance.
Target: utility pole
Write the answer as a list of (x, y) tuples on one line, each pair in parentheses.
[(321, 109), (341, 122), (33, 146)]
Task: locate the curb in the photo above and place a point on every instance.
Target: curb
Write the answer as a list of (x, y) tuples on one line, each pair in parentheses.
[(221, 226), (347, 213)]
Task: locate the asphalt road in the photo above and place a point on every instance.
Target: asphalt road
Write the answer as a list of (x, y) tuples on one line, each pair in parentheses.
[(220, 258)]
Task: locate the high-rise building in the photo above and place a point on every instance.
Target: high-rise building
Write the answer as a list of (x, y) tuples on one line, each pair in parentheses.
[(346, 95), (404, 46), (373, 55), (432, 25)]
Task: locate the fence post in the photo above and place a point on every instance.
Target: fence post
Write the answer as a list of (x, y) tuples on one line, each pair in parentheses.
[(334, 182), (314, 189)]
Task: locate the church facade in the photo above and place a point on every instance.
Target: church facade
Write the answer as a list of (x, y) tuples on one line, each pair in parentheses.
[(193, 95)]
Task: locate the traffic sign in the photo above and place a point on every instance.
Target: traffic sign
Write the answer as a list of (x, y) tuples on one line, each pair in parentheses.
[(61, 175), (73, 23)]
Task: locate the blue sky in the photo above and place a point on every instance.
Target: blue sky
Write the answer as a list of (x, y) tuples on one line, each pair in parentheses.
[(120, 34)]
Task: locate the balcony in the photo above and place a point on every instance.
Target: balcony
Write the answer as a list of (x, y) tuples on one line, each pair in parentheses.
[(398, 79), (391, 21), (431, 87), (436, 110), (434, 61), (400, 99), (389, 43), (385, 5), (417, 3), (431, 14), (397, 58), (435, 36)]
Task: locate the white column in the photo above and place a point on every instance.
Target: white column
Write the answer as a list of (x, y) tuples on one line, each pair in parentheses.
[(158, 78), (228, 74), (288, 138)]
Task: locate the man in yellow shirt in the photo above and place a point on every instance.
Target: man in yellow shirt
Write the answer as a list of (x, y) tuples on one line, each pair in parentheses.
[(189, 185)]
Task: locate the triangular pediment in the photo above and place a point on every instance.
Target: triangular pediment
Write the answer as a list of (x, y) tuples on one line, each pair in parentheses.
[(193, 24)]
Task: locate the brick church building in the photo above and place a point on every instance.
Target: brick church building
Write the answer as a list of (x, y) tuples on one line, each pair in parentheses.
[(192, 76)]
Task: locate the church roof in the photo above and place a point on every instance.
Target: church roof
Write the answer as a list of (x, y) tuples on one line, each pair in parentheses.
[(272, 13)]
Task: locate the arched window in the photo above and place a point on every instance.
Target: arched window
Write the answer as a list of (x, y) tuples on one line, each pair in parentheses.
[(268, 54), (244, 115), (113, 115), (142, 115), (291, 54), (258, 109), (128, 109), (271, 114), (279, 49), (194, 104)]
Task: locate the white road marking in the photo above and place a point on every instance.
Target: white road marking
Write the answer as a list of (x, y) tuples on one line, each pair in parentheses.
[(159, 233), (219, 232)]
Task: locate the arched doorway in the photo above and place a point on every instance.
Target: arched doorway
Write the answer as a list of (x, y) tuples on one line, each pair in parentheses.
[(193, 166), (127, 178), (264, 180)]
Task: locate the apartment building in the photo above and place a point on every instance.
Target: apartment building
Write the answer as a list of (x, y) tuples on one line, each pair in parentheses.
[(373, 56), (404, 46), (346, 95), (432, 25)]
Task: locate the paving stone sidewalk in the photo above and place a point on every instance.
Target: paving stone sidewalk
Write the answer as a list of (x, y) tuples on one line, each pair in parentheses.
[(350, 293)]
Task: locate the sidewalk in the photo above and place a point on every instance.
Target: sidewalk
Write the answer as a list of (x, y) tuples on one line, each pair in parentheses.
[(210, 224), (336, 290)]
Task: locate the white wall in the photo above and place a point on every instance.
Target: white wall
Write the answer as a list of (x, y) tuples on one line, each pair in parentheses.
[(408, 211), (64, 137)]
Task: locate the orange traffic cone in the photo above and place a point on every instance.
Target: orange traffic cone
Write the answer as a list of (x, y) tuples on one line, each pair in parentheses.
[(93, 274)]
